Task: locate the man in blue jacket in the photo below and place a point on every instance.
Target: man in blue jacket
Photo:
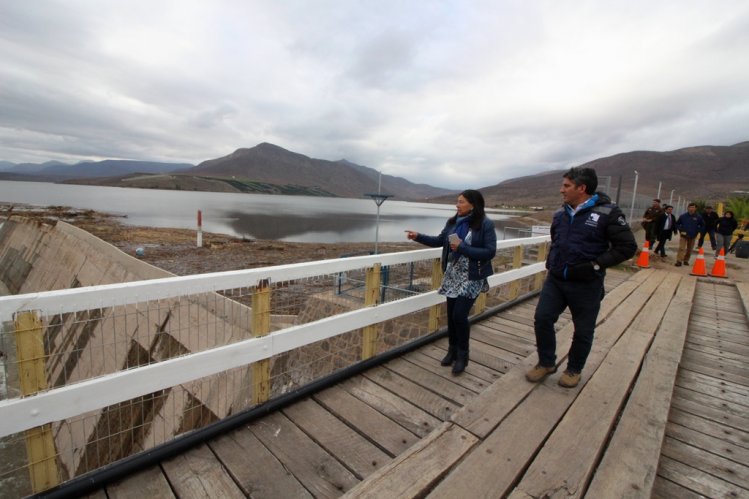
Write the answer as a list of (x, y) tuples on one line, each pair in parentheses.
[(588, 235), (689, 225)]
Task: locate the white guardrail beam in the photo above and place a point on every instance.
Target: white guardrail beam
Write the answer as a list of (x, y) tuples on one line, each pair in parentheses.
[(21, 414)]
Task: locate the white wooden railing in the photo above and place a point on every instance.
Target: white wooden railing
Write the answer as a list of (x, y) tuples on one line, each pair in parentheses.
[(56, 404)]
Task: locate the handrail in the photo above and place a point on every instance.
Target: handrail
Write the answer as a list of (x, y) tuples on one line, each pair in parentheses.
[(109, 295)]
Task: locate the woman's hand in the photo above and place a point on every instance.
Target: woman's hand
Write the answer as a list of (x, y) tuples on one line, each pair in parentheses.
[(411, 235)]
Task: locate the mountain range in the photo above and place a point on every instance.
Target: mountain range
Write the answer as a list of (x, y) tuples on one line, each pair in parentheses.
[(703, 172), (710, 173)]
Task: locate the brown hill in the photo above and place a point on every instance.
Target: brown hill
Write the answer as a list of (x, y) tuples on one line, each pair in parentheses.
[(270, 164), (711, 173)]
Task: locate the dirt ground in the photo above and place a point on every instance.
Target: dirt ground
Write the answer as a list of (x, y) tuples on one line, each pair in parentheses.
[(176, 251)]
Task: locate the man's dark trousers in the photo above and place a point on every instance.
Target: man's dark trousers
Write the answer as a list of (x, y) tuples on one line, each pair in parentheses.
[(584, 301)]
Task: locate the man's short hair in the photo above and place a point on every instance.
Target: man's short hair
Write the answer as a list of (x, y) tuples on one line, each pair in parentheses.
[(657, 200), (580, 175), (708, 207), (692, 204)]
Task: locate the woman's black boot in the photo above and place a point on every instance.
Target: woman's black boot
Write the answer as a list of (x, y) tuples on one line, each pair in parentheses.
[(461, 361), (449, 358)]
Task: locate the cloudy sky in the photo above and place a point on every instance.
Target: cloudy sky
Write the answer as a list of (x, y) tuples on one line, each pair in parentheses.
[(452, 93)]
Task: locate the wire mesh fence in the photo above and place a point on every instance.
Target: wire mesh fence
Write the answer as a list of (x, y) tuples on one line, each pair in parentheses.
[(49, 350)]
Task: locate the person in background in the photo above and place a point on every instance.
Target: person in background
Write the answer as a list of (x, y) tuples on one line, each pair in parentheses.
[(588, 235), (649, 219), (469, 242), (711, 219), (665, 228), (724, 231), (689, 225)]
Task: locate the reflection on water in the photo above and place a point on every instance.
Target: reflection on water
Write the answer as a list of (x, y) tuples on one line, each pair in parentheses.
[(255, 216)]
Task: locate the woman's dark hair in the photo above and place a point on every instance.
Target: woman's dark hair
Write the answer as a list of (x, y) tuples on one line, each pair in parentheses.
[(477, 215)]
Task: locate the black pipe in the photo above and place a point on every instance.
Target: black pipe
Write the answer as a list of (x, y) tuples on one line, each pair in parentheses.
[(89, 482)]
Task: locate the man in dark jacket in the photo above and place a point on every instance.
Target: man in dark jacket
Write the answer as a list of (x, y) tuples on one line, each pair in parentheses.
[(588, 235), (665, 227), (711, 221), (689, 225)]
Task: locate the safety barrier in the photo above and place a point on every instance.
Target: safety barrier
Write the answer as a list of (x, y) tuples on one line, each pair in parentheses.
[(99, 373)]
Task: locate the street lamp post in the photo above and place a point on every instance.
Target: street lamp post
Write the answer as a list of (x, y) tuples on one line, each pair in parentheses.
[(671, 199), (634, 195), (378, 198)]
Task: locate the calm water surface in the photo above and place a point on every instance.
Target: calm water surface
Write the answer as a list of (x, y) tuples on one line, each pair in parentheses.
[(258, 216)]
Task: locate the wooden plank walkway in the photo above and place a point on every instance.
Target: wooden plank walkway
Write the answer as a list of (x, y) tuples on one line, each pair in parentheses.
[(410, 429)]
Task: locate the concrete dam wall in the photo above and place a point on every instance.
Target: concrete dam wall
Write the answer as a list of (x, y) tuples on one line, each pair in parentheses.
[(38, 257)]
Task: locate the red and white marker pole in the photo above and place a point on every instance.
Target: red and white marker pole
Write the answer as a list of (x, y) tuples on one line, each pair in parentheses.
[(200, 229)]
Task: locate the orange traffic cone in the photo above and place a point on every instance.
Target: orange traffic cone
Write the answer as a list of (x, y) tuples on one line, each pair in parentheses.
[(643, 261), (699, 264), (719, 267)]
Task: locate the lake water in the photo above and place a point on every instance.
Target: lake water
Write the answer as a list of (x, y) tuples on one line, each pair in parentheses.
[(255, 216)]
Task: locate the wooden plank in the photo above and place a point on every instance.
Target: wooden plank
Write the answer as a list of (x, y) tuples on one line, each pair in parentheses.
[(492, 468), (318, 471), (666, 489), (403, 412), (726, 433), (715, 392), (688, 376), (512, 344), (714, 414), (475, 369), (731, 370), (716, 466), (358, 454), (484, 355), (730, 330), (256, 470), (148, 483), (565, 465), (717, 446), (719, 344), (497, 463), (198, 473), (718, 353), (440, 385), (465, 380), (490, 407), (711, 329), (630, 462), (703, 367), (498, 353), (413, 472), (695, 480), (727, 408), (379, 428), (425, 399)]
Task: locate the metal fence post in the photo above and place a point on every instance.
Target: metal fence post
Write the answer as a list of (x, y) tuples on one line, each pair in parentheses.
[(371, 295), (261, 327), (40, 444)]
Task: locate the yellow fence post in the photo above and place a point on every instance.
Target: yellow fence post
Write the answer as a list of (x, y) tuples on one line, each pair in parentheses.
[(261, 327), (542, 249), (517, 262), (371, 295), (434, 311), (40, 444)]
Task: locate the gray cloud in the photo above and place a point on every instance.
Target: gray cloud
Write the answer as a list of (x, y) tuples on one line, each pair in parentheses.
[(455, 94)]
